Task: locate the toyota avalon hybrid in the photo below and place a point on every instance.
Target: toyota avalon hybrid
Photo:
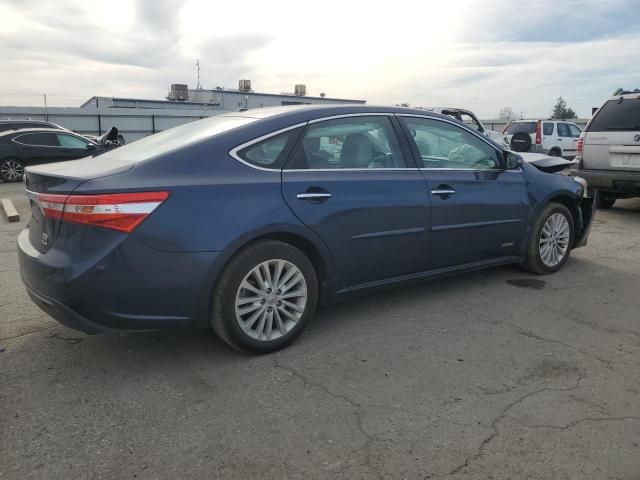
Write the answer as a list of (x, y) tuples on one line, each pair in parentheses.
[(246, 222)]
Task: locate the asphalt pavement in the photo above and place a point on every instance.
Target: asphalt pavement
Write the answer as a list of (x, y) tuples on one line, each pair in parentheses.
[(498, 374)]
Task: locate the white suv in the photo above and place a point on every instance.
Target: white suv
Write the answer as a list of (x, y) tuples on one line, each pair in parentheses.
[(609, 150), (551, 137)]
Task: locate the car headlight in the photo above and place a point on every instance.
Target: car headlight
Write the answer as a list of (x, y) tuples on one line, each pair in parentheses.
[(583, 183)]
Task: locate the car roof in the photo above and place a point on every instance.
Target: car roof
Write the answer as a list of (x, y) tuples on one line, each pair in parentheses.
[(626, 96), (318, 111)]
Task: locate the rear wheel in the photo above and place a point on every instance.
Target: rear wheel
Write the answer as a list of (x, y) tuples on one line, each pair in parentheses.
[(605, 201), (554, 152), (551, 240), (11, 170), (265, 297)]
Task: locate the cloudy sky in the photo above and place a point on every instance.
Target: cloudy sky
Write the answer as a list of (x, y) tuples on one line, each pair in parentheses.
[(482, 55)]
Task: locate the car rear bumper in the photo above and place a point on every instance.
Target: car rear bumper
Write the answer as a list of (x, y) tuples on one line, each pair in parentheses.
[(128, 287), (618, 181)]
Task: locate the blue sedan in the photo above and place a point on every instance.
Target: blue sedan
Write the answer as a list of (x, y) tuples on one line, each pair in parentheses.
[(246, 222)]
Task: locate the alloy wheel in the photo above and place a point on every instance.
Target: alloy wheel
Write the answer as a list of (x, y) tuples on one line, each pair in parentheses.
[(11, 170), (270, 300), (554, 240)]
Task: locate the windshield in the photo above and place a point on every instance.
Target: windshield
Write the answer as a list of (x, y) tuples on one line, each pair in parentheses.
[(517, 127), (168, 140), (617, 115)]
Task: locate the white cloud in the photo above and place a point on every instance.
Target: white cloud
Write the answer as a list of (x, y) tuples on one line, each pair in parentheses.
[(480, 55)]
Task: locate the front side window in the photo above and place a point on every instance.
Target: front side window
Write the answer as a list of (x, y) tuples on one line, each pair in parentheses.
[(353, 142), (563, 130), (470, 122), (547, 128), (575, 131), (69, 141), (443, 145), (38, 139)]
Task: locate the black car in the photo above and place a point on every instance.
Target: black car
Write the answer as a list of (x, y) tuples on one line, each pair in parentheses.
[(110, 139), (20, 148)]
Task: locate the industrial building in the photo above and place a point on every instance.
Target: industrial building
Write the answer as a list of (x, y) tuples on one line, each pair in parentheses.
[(136, 118)]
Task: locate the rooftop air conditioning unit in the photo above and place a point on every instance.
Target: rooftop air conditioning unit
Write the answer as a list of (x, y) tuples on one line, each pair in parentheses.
[(179, 92), (300, 90), (244, 85)]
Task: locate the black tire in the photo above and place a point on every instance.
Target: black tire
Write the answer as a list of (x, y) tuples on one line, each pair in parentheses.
[(533, 262), (224, 321), (11, 170), (554, 152), (605, 201), (520, 142)]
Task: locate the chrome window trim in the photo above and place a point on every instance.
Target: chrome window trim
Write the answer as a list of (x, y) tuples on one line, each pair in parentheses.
[(513, 170), (15, 139), (234, 151), (395, 169)]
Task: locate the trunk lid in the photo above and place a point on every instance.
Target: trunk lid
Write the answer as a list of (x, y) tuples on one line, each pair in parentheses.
[(43, 182)]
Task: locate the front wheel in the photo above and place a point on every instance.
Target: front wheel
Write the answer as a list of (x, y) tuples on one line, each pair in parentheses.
[(551, 240), (11, 170), (265, 297)]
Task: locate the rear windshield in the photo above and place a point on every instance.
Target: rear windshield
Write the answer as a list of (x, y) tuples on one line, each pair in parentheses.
[(616, 115), (174, 138), (517, 127)]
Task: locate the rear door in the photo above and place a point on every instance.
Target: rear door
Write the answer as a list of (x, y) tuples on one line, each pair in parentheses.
[(351, 181), (42, 147), (612, 138), (478, 209)]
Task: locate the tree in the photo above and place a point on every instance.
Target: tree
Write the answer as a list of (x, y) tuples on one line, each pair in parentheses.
[(507, 114), (561, 111)]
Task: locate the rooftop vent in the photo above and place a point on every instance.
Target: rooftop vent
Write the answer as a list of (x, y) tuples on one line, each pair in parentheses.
[(300, 90)]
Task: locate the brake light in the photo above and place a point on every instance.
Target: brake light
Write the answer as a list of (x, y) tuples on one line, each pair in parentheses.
[(580, 146), (117, 211), (538, 132)]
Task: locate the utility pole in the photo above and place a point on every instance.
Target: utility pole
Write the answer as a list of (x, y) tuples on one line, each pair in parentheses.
[(198, 85), (46, 112)]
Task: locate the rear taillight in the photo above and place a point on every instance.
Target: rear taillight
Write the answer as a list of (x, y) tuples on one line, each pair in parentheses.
[(117, 211), (538, 132), (580, 146)]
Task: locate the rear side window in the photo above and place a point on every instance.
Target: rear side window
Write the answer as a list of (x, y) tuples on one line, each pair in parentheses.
[(616, 115), (547, 128), (272, 152), (524, 127), (38, 139), (352, 143)]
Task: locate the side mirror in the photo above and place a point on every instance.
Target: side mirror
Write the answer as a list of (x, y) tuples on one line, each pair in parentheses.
[(91, 146), (512, 160)]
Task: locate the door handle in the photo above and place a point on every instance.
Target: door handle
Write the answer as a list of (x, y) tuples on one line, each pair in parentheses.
[(313, 196), (443, 191)]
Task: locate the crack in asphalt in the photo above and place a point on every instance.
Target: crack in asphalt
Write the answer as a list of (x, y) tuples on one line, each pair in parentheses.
[(503, 414), (574, 423), (29, 333), (357, 407)]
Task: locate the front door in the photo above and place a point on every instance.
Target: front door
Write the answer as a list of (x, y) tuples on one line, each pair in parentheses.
[(478, 208), (349, 181)]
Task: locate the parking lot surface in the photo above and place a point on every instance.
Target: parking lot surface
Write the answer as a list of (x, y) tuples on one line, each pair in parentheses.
[(497, 374)]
